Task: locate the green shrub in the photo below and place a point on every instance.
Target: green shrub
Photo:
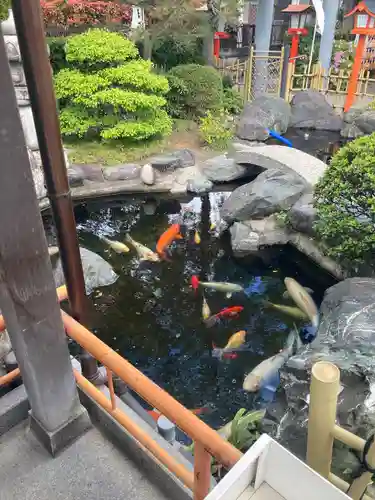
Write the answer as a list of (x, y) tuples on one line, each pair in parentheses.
[(195, 90), (345, 202), (57, 53), (4, 6), (232, 101), (114, 96), (215, 130)]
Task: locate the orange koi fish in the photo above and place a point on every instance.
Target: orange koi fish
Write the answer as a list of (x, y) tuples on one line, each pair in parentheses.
[(172, 233)]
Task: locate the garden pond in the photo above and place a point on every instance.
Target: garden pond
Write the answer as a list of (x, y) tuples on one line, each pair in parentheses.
[(152, 316)]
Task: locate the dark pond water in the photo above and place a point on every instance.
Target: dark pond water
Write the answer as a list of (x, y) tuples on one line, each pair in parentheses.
[(152, 317)]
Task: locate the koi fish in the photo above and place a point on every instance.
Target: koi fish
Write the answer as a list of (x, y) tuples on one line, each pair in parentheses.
[(303, 300), (155, 414), (234, 342), (258, 377), (143, 252), (227, 288), (117, 246), (206, 312), (197, 238), (228, 312), (194, 283), (294, 312), (172, 233)]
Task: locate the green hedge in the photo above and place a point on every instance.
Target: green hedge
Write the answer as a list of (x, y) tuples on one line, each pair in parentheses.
[(345, 202), (194, 90)]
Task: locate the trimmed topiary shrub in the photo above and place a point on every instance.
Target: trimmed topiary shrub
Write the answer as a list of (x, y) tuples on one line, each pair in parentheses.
[(195, 90), (110, 93), (345, 202)]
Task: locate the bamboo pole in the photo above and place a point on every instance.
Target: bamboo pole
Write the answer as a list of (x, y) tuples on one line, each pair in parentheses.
[(359, 485), (343, 485), (325, 383), (202, 471), (9, 377), (348, 438)]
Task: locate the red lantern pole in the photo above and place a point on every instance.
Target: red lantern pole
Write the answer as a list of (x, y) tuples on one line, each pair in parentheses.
[(352, 87)]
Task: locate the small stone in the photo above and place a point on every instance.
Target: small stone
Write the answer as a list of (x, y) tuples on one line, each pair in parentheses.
[(166, 163), (199, 184), (243, 240), (148, 174), (186, 157), (125, 172), (75, 177), (223, 169)]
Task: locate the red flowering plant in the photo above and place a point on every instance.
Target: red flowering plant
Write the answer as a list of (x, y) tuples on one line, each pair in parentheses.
[(78, 12)]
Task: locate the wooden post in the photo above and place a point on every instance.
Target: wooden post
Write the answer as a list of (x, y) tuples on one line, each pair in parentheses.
[(202, 471), (352, 88), (324, 389), (27, 289)]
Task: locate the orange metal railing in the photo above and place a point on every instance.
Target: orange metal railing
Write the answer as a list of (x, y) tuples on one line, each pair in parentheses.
[(207, 441)]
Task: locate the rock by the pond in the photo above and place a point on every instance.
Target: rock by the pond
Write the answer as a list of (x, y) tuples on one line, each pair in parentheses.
[(5, 345), (96, 270), (199, 184), (244, 241), (75, 176), (38, 175), (148, 175), (223, 169), (272, 191), (264, 112), (302, 215), (310, 109), (351, 131), (249, 236), (358, 122), (186, 157), (122, 172), (346, 337)]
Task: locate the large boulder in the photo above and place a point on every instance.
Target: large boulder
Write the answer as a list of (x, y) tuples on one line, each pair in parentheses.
[(250, 236), (264, 112), (358, 122), (272, 191), (310, 109), (302, 215), (223, 169), (96, 270), (346, 337)]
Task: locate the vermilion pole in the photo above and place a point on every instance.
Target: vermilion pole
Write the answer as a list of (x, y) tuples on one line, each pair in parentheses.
[(352, 87)]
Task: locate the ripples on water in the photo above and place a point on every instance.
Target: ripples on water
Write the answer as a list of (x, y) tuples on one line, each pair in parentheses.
[(152, 317)]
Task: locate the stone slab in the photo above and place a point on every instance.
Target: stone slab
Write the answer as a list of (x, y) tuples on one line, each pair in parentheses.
[(14, 407), (92, 468), (307, 166)]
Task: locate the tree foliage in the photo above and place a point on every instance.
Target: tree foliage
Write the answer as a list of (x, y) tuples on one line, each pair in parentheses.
[(4, 6), (194, 90), (345, 202), (77, 12), (110, 92), (168, 17)]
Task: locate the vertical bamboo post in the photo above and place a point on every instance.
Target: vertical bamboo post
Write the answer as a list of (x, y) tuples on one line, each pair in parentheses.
[(359, 485), (289, 81), (324, 388), (249, 75), (202, 471)]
